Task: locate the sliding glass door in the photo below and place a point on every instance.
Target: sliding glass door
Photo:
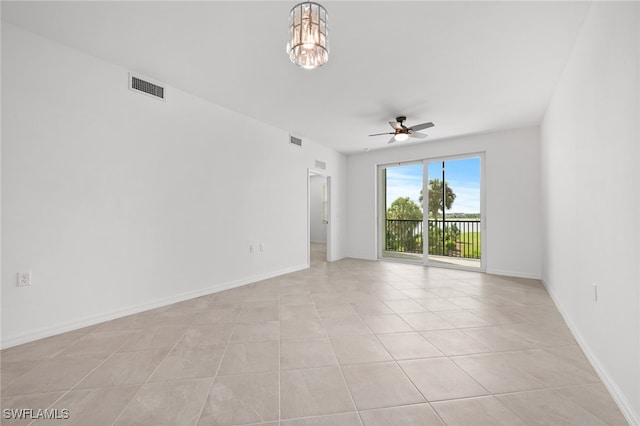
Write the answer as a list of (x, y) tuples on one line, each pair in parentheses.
[(431, 212)]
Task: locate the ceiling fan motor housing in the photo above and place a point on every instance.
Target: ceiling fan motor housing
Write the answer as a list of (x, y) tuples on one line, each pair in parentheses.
[(402, 128)]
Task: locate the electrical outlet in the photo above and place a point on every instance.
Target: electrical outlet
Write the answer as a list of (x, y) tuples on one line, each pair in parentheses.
[(595, 292), (24, 279)]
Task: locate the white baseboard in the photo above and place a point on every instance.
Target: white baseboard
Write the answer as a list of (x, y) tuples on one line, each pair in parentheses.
[(87, 321), (513, 274), (632, 417)]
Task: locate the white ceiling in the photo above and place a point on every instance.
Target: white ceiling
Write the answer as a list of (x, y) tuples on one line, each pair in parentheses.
[(470, 67)]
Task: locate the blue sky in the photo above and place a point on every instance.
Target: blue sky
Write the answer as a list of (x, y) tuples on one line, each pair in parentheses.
[(463, 176)]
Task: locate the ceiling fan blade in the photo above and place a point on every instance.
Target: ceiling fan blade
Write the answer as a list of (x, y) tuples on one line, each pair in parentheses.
[(393, 139), (422, 126), (395, 125), (418, 135), (378, 134)]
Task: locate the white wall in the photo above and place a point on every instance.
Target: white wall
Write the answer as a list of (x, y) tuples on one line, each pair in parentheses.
[(118, 202), (512, 196), (318, 226), (590, 137)]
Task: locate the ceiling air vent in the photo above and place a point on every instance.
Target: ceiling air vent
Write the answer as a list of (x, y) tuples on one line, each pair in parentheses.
[(146, 86), (295, 141), (321, 165)]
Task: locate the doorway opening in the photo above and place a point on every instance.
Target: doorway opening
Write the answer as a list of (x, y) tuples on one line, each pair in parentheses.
[(319, 231)]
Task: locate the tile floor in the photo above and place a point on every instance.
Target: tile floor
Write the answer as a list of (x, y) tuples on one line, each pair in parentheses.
[(344, 343)]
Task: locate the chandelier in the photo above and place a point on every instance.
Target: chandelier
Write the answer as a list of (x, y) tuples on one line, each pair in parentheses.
[(308, 45)]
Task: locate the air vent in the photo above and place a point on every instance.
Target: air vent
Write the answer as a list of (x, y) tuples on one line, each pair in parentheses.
[(295, 141), (321, 165), (144, 85)]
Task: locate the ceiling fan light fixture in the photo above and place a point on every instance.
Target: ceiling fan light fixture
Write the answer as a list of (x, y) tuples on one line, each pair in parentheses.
[(308, 45), (401, 137)]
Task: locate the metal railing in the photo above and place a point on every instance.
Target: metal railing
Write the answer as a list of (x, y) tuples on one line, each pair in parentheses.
[(404, 235), (455, 238)]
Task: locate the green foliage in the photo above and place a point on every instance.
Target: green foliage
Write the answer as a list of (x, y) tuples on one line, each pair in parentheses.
[(456, 243), (435, 198), (404, 226), (406, 236), (404, 232), (470, 244), (404, 208)]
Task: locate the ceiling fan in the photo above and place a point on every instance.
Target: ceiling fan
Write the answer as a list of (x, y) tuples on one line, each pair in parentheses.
[(402, 132)]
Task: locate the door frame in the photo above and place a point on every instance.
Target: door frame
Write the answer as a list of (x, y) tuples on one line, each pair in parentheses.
[(318, 172), (381, 209)]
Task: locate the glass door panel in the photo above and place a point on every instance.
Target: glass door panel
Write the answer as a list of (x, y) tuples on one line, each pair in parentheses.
[(401, 216), (453, 213)]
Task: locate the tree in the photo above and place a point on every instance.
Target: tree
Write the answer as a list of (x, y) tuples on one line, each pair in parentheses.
[(435, 197), (404, 226), (404, 208)]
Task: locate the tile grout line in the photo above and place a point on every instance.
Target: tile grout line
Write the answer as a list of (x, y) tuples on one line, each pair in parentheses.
[(449, 359), (490, 394), (86, 375), (224, 353), (149, 377), (456, 364), (36, 361), (74, 386), (353, 280), (155, 369), (400, 367), (335, 356), (397, 364)]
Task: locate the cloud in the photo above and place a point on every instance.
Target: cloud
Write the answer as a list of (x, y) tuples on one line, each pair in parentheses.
[(467, 196), (406, 181)]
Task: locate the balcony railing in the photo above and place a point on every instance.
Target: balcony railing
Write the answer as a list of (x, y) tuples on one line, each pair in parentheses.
[(454, 238)]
